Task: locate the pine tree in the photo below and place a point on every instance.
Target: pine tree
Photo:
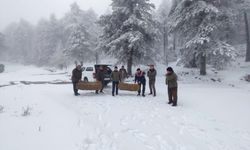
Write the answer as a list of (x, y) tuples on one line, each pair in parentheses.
[(129, 31), (247, 38), (19, 39), (198, 21), (2, 44), (48, 37), (1, 41), (79, 48), (80, 33), (162, 17)]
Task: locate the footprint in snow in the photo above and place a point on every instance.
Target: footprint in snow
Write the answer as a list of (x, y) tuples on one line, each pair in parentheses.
[(124, 121), (138, 135), (107, 125), (163, 144), (100, 117), (80, 123)]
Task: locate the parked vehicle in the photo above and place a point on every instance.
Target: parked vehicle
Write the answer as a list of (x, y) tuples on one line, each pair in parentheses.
[(89, 72)]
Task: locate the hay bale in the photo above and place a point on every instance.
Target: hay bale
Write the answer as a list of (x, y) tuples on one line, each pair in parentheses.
[(89, 85), (128, 86)]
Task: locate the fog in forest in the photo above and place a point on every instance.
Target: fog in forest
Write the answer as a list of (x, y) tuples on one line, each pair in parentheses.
[(57, 33)]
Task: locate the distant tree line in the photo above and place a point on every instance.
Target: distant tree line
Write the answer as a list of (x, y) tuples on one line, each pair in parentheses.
[(53, 42), (195, 33)]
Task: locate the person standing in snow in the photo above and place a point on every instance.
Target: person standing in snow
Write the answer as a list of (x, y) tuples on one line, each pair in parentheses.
[(171, 81), (76, 77), (123, 73), (116, 78), (141, 81), (151, 76), (100, 77)]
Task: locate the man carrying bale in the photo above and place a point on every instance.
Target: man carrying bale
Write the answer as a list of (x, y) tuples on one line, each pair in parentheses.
[(76, 77), (151, 76), (116, 78), (100, 77), (141, 81), (123, 73)]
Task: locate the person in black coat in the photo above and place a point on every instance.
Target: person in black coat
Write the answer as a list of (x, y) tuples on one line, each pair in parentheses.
[(100, 75), (76, 77), (141, 81)]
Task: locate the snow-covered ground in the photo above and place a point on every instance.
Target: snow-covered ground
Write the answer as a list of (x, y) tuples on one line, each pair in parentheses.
[(213, 113)]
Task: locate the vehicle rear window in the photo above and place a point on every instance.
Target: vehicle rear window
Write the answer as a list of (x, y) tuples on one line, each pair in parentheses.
[(89, 69)]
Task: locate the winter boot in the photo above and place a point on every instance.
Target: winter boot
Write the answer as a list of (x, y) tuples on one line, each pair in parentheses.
[(174, 104), (77, 94), (170, 102)]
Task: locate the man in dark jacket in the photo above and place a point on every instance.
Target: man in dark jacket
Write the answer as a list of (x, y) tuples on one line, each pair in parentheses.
[(171, 81), (76, 77), (151, 76), (100, 77), (141, 81), (123, 73), (116, 78)]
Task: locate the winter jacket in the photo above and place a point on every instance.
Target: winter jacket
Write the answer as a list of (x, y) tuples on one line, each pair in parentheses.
[(116, 76), (171, 80), (76, 75), (123, 73), (140, 78), (151, 74), (100, 75)]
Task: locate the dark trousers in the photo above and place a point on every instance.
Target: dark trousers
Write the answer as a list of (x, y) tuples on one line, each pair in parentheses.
[(152, 87), (74, 87), (115, 87), (172, 95), (142, 88), (103, 84)]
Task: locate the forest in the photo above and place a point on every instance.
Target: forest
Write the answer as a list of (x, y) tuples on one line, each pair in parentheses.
[(195, 33)]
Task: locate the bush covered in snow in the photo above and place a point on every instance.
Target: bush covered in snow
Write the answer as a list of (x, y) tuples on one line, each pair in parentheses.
[(26, 111)]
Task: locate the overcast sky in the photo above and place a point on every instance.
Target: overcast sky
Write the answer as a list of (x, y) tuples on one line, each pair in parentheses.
[(34, 10)]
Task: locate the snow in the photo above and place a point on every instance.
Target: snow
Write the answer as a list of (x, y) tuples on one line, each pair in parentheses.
[(16, 73), (210, 115)]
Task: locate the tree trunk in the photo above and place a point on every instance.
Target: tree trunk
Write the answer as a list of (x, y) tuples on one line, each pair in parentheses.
[(96, 58), (165, 44), (203, 64), (130, 63), (193, 63), (247, 38), (174, 42)]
